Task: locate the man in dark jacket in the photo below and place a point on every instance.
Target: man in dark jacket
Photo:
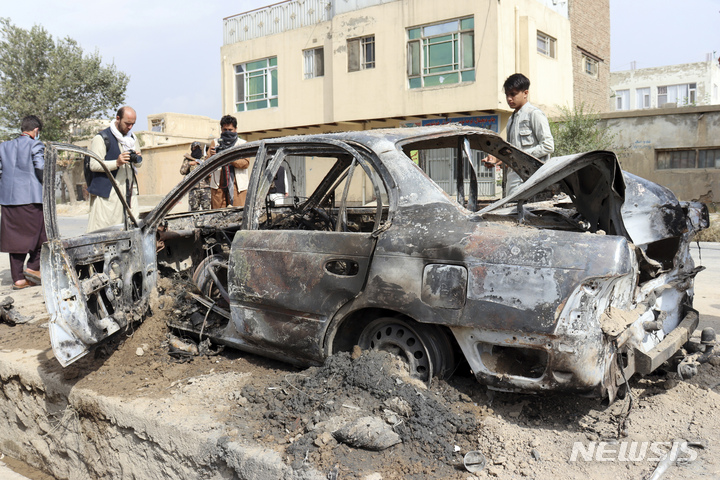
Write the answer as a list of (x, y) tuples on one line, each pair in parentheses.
[(22, 224)]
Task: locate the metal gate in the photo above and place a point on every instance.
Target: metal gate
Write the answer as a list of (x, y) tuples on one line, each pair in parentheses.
[(439, 164)]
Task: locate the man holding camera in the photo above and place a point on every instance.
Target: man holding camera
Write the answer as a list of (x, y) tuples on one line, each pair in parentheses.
[(121, 152), (228, 185)]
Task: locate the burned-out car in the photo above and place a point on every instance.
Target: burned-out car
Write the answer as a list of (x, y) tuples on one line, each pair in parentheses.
[(574, 290)]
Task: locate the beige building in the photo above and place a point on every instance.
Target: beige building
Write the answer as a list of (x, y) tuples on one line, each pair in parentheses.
[(323, 65), (309, 66), (688, 84)]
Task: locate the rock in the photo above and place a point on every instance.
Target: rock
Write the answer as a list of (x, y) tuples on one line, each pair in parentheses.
[(323, 439), (535, 454), (139, 352), (370, 433), (373, 476), (399, 405)]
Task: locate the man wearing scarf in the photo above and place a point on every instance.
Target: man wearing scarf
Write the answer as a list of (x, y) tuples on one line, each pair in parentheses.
[(106, 209), (228, 185), (22, 224)]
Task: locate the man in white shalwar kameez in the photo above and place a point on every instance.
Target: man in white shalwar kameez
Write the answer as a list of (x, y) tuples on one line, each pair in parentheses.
[(106, 208)]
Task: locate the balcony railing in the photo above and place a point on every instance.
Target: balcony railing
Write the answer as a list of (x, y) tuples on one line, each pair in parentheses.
[(276, 18)]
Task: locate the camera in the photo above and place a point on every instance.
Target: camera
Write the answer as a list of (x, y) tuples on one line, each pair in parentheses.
[(134, 157), (222, 145)]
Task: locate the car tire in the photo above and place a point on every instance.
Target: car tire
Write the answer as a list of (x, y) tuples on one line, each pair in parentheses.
[(425, 348)]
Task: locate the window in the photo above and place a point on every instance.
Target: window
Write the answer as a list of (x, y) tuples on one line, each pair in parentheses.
[(361, 53), (685, 94), (157, 125), (688, 158), (441, 53), (622, 100), (256, 84), (545, 45), (642, 98), (590, 65), (314, 62)]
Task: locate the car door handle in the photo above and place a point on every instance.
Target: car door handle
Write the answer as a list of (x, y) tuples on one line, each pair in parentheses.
[(344, 267)]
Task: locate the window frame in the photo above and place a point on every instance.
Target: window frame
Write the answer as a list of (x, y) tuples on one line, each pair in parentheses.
[(427, 45), (591, 66), (358, 49), (622, 100), (689, 88), (686, 158), (251, 70), (314, 63), (643, 98), (550, 43)]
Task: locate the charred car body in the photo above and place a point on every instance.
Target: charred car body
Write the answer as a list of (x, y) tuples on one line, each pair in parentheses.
[(575, 293)]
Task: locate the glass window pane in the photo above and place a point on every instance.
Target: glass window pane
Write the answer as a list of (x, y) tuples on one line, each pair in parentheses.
[(414, 33), (256, 86), (273, 102), (273, 61), (468, 76), (702, 156), (441, 28), (240, 88), (257, 64), (468, 50), (257, 105), (440, 55), (434, 80), (414, 58), (274, 83), (240, 107), (467, 23), (415, 82)]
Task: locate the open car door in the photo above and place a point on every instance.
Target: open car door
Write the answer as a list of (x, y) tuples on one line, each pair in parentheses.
[(94, 284)]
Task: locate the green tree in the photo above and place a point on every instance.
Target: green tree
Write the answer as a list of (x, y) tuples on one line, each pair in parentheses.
[(578, 130), (56, 81)]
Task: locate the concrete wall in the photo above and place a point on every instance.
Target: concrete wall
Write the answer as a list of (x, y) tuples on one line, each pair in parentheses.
[(160, 171), (640, 134)]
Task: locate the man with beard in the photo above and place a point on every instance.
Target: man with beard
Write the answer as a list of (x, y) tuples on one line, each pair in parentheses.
[(22, 224), (228, 185)]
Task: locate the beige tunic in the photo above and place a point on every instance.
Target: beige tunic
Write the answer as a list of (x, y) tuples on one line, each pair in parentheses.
[(105, 212)]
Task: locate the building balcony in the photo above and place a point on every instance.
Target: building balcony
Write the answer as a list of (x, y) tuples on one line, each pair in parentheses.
[(276, 18)]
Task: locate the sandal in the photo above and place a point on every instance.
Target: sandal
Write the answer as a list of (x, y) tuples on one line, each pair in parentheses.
[(33, 276), (20, 286)]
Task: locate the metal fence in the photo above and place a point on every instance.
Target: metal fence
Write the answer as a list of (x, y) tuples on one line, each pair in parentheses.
[(276, 18)]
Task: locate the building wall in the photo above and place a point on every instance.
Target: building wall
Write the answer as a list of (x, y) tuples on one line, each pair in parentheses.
[(505, 42), (590, 24), (705, 74), (640, 134)]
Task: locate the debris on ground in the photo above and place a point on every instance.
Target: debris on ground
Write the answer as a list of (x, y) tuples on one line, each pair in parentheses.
[(10, 315)]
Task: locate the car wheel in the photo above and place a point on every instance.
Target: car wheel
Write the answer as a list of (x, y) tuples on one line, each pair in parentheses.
[(211, 279), (425, 348)]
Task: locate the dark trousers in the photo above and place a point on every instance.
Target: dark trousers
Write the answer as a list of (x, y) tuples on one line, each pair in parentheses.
[(17, 261)]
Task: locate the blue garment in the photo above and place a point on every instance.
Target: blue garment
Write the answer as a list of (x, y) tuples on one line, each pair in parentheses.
[(19, 160), (100, 184)]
